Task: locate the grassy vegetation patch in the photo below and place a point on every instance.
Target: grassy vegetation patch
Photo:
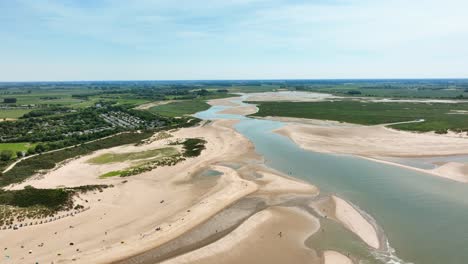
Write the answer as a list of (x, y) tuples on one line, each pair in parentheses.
[(111, 174), (51, 198), (145, 166), (180, 108), (193, 147), (121, 157), (438, 116), (35, 203)]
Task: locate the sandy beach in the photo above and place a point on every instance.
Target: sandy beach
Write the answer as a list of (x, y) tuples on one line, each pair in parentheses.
[(377, 142), (122, 220)]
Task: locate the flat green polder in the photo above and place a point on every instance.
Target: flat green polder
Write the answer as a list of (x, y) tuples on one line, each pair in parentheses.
[(130, 156), (438, 117)]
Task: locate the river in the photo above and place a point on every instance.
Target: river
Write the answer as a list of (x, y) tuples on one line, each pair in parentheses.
[(424, 217)]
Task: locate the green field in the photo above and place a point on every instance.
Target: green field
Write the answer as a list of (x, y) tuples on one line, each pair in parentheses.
[(14, 147), (13, 113), (122, 99), (180, 108), (438, 117), (391, 92), (121, 157), (45, 95)]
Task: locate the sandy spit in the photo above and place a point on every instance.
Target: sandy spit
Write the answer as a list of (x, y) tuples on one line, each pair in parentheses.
[(355, 222)]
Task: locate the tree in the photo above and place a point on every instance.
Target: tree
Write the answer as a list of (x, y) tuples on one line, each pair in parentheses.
[(31, 151), (19, 154), (9, 100), (354, 92), (5, 155), (40, 148), (203, 92)]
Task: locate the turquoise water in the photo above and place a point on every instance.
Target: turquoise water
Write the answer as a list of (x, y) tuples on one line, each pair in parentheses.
[(425, 218)]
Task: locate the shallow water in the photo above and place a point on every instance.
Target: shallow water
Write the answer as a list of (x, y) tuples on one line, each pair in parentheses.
[(425, 218), (428, 162)]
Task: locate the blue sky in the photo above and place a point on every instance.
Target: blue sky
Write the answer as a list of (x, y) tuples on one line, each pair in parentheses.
[(232, 39)]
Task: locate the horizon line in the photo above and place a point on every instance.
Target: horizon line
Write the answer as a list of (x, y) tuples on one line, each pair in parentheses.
[(237, 80)]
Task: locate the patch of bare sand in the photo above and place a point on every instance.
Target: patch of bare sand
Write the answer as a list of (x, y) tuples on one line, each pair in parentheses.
[(274, 235), (292, 96), (236, 108), (240, 110), (453, 170), (153, 104), (333, 257), (355, 222), (271, 183), (223, 102), (7, 119)]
